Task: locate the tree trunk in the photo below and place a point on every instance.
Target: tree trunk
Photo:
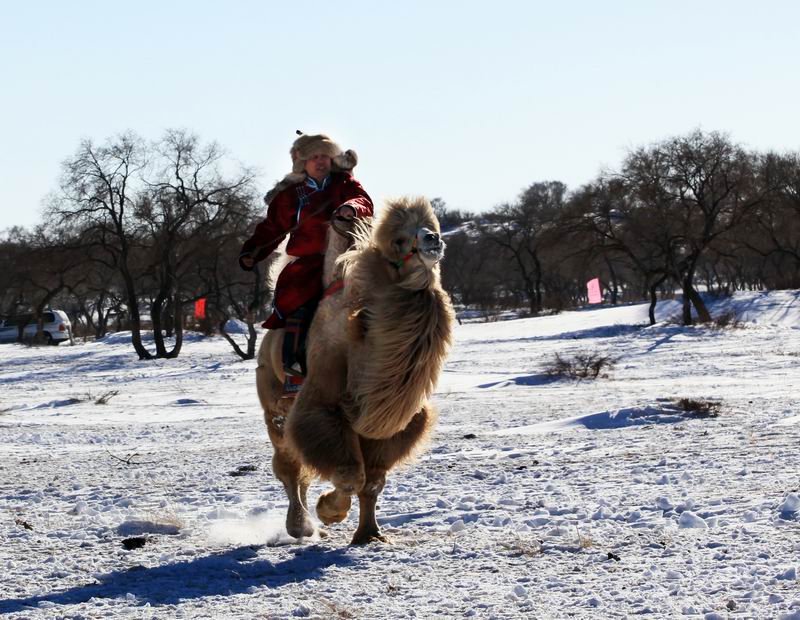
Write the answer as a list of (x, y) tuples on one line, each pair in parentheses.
[(654, 299), (156, 317), (135, 319), (538, 284), (177, 322), (168, 317), (614, 283), (702, 312), (687, 309), (251, 338), (102, 323), (39, 337), (245, 355)]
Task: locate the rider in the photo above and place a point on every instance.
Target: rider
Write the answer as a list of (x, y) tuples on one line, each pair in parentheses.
[(301, 205)]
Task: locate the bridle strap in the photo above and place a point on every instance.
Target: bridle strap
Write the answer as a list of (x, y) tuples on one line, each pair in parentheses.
[(398, 264), (333, 288)]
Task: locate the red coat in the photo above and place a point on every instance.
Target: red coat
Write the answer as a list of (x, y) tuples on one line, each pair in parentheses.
[(310, 210)]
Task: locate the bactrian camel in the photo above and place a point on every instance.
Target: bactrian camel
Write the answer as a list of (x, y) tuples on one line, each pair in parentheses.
[(375, 352)]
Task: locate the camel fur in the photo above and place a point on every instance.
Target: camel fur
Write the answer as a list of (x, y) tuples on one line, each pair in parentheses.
[(375, 352)]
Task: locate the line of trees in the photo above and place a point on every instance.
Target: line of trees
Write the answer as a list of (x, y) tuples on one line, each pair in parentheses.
[(142, 228), (140, 225), (693, 213)]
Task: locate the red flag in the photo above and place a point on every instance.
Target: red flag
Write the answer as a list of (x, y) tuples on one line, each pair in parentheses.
[(200, 308), (593, 288)]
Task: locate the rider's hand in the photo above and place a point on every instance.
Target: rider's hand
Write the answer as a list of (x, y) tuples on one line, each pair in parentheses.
[(345, 212)]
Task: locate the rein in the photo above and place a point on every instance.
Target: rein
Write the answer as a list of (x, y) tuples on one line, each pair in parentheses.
[(316, 211), (337, 221), (398, 264), (333, 288), (338, 284)]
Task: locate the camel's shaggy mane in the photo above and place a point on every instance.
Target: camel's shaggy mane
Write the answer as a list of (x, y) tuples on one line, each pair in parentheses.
[(408, 319)]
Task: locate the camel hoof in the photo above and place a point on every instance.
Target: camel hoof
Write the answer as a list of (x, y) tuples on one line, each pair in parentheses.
[(349, 479), (332, 507), (300, 528), (364, 538)]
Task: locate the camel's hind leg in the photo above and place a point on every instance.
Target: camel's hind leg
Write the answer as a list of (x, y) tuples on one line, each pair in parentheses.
[(287, 468), (323, 438), (295, 480), (379, 457)]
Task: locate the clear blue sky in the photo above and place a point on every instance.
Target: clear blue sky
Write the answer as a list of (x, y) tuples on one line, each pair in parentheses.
[(470, 101)]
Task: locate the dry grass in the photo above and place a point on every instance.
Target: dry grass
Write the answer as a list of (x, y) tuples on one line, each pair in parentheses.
[(105, 397), (699, 408), (166, 517), (88, 397), (727, 320), (243, 470), (584, 542), (335, 610), (526, 546), (24, 524), (580, 366)]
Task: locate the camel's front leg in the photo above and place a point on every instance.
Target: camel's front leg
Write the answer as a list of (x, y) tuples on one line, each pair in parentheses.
[(380, 456), (321, 436), (368, 530), (333, 506)]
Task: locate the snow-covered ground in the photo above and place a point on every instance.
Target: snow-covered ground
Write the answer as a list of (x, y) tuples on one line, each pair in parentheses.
[(536, 498)]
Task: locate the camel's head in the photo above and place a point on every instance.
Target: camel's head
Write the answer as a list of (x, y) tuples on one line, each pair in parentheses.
[(407, 234)]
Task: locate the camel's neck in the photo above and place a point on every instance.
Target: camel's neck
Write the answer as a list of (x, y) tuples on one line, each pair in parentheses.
[(407, 338), (337, 244)]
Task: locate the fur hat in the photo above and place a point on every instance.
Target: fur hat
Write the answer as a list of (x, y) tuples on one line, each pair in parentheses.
[(307, 146)]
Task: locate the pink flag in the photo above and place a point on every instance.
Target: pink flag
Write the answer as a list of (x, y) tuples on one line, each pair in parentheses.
[(593, 288)]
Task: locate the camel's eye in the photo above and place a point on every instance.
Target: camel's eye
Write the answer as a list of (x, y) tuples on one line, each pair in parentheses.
[(400, 242)]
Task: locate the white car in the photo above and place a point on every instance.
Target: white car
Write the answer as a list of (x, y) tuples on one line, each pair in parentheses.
[(56, 327)]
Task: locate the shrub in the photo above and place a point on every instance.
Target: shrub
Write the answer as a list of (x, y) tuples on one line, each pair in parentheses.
[(727, 320), (580, 366), (699, 408)]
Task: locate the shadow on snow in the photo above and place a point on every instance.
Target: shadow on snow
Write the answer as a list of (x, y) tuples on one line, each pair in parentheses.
[(529, 380), (235, 571), (603, 331)]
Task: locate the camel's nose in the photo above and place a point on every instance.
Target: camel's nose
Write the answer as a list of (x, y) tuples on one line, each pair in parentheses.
[(431, 238)]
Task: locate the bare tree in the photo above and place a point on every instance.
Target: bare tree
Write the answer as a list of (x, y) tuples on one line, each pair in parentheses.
[(472, 269), (14, 256), (99, 188), (631, 225), (142, 210), (188, 208), (44, 263), (706, 184), (230, 292), (521, 228), (773, 231), (448, 217)]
